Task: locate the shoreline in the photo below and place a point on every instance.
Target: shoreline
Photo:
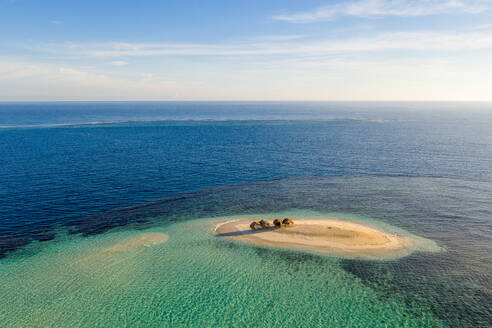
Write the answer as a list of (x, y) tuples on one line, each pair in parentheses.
[(328, 236)]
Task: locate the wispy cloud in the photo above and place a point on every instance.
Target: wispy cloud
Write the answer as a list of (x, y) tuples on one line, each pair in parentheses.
[(56, 22), (278, 37), (418, 41), (38, 81), (119, 63), (369, 8), (482, 27), (335, 79), (340, 80)]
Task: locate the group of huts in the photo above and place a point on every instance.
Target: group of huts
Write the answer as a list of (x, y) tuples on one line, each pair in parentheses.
[(262, 224)]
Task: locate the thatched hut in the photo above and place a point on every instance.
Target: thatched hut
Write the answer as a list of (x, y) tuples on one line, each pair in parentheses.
[(255, 225), (277, 223), (288, 222)]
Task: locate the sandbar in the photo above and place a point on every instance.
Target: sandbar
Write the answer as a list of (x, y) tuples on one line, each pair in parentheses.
[(327, 236), (143, 239), (129, 246)]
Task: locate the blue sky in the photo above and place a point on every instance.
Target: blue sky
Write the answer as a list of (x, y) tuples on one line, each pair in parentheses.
[(246, 50)]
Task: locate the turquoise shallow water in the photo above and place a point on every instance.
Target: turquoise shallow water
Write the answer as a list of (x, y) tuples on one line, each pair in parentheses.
[(193, 279), (197, 279)]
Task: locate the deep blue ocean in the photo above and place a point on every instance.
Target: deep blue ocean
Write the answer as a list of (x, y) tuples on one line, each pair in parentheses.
[(86, 168)]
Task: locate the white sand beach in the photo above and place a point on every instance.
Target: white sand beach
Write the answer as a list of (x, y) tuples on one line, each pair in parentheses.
[(329, 236)]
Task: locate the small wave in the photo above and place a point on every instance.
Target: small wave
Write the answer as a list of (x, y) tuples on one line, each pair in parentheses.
[(47, 125), (190, 121)]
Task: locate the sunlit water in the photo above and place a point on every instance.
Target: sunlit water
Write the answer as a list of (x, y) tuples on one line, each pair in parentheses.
[(193, 279), (72, 195), (198, 279)]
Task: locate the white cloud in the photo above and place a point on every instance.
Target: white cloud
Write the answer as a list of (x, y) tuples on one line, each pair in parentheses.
[(37, 81), (322, 78), (369, 8), (418, 41), (278, 37), (482, 27), (24, 81), (387, 66), (57, 22), (119, 63)]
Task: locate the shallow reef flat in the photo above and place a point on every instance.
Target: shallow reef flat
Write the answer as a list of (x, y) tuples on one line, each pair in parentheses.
[(184, 275)]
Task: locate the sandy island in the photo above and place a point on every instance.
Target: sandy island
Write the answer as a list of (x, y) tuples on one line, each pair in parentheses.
[(329, 236)]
